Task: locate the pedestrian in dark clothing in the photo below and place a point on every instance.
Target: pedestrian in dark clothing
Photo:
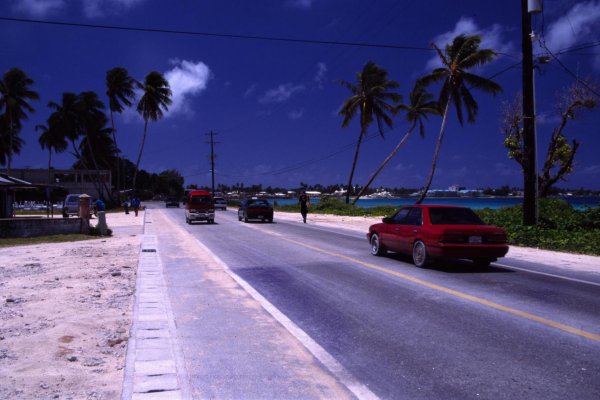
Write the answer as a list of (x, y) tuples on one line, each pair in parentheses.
[(304, 201), (135, 204), (100, 206), (126, 206)]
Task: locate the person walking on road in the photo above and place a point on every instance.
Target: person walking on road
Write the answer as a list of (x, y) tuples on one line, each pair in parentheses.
[(304, 201), (135, 204)]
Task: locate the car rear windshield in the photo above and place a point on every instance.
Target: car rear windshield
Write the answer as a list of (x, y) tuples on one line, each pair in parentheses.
[(258, 203), (454, 216), (206, 200)]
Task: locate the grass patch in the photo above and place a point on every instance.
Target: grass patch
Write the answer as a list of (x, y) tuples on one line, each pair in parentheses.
[(44, 239)]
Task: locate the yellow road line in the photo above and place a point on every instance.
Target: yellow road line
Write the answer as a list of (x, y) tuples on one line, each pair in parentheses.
[(452, 292)]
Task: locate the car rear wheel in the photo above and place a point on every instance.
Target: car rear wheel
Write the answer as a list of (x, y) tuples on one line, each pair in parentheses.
[(482, 263), (419, 255), (376, 248)]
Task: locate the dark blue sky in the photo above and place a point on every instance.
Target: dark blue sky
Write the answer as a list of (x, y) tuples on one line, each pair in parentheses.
[(274, 104)]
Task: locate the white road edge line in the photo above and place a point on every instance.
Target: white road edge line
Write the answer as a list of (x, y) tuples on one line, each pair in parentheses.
[(337, 369), (547, 274)]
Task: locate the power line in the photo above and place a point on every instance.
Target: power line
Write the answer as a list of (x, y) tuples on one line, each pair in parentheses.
[(213, 34)]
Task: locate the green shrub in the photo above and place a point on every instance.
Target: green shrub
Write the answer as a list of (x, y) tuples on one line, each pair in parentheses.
[(560, 227), (95, 231)]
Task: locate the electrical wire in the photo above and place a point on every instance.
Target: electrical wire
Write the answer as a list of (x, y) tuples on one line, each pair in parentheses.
[(213, 34)]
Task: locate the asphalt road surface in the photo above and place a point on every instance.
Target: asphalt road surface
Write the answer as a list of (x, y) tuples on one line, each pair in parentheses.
[(450, 332)]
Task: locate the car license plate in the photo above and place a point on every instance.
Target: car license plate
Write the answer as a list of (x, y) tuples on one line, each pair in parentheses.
[(475, 239), (259, 216)]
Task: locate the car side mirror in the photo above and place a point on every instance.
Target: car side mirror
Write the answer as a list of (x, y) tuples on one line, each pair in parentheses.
[(387, 220)]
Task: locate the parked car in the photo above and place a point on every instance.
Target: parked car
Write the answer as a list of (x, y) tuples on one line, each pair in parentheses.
[(220, 203), (71, 205), (199, 207), (255, 208), (430, 232), (172, 201)]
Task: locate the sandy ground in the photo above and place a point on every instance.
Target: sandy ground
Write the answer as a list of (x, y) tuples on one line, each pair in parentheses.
[(66, 309), (65, 314)]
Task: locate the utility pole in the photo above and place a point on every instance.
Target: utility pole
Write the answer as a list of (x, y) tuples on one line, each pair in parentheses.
[(212, 158), (530, 188)]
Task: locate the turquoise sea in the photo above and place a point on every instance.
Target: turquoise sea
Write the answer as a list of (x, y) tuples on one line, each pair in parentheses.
[(471, 202)]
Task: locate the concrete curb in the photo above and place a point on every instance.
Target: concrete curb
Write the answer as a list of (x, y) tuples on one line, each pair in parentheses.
[(153, 365)]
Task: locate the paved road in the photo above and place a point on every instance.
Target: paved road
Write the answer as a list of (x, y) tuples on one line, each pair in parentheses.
[(449, 332)]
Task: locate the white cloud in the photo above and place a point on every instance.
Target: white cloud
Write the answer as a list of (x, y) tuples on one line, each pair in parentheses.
[(100, 8), (580, 23), (490, 38), (320, 76), (250, 90), (403, 167), (306, 4), (296, 114), (280, 94), (186, 79), (38, 8)]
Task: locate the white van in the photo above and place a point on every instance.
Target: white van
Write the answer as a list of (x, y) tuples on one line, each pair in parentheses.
[(71, 205)]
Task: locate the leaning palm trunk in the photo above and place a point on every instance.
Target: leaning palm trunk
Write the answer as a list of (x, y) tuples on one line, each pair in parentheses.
[(10, 144), (114, 135), (384, 163), (99, 186), (137, 164), (49, 165), (360, 138), (436, 153)]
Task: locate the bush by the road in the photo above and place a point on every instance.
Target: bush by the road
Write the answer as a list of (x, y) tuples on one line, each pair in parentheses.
[(561, 227)]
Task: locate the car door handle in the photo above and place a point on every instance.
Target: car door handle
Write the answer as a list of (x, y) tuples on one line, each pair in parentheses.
[(415, 231), (397, 229)]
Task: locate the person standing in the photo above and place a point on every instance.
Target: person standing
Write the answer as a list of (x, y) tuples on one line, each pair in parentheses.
[(100, 206), (135, 204), (304, 201)]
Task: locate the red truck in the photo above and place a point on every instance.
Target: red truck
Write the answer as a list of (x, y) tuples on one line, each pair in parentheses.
[(199, 206)]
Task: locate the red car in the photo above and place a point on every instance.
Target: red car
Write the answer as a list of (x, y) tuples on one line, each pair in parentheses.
[(428, 232)]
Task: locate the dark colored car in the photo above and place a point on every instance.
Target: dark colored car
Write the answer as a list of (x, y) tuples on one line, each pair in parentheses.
[(172, 201), (429, 232), (255, 209)]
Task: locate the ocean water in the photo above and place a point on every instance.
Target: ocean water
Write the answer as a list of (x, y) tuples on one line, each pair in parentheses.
[(471, 202)]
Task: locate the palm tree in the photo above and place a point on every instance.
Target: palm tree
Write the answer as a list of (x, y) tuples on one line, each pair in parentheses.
[(421, 104), (14, 144), (373, 100), (459, 56), (91, 118), (75, 117), (51, 140), (156, 98), (15, 93), (65, 120), (120, 92)]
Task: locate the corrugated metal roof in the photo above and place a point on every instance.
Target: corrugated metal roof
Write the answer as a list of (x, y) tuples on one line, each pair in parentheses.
[(11, 181)]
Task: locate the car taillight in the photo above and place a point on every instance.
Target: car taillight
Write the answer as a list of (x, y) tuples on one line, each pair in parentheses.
[(452, 238)]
